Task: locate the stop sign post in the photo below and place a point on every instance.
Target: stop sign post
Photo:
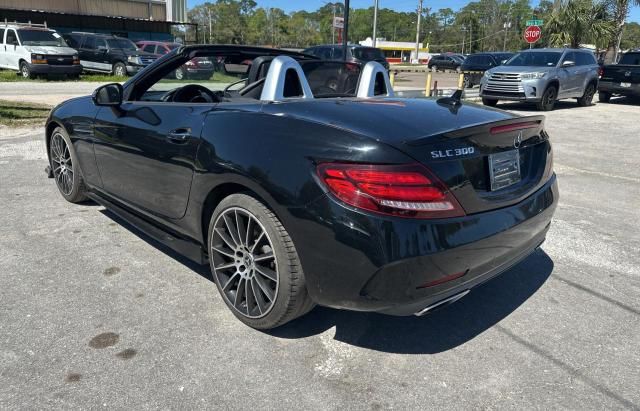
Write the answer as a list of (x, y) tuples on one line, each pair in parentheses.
[(532, 34)]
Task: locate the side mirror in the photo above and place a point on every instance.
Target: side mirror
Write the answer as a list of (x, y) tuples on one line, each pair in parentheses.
[(108, 95), (568, 63)]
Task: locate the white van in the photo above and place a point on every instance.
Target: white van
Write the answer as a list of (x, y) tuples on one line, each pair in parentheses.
[(33, 49)]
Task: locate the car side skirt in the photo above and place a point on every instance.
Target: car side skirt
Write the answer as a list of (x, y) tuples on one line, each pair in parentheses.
[(183, 246)]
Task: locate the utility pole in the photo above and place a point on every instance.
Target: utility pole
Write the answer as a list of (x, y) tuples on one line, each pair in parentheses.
[(464, 36), (209, 10), (345, 30), (418, 30), (333, 26), (506, 26), (375, 21)]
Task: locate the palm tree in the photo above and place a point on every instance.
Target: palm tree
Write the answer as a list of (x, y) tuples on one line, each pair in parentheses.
[(578, 22), (620, 11)]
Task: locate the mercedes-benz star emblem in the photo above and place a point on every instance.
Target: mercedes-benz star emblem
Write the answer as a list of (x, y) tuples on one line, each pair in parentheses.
[(518, 140)]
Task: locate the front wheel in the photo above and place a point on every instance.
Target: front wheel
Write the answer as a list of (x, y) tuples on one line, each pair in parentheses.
[(180, 75), (548, 101), (434, 68), (119, 69), (587, 97), (255, 264), (604, 97), (467, 82), (65, 168), (25, 71)]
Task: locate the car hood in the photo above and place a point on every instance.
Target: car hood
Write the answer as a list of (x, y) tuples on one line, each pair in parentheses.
[(50, 50), (521, 69), (391, 120)]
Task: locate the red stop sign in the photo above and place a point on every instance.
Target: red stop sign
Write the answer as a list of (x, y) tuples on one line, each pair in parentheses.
[(532, 34)]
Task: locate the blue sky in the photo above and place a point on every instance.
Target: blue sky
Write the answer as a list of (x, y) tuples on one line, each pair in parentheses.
[(400, 5)]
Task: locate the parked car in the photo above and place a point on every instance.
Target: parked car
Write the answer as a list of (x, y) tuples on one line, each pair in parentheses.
[(543, 76), (200, 68), (104, 53), (356, 200), (475, 65), (622, 79), (445, 62), (33, 50), (355, 53)]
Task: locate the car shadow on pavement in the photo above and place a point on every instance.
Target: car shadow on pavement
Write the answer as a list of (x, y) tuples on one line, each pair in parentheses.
[(442, 330), (567, 104)]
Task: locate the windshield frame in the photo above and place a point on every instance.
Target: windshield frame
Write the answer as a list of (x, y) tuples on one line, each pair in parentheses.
[(59, 41), (559, 54), (118, 40)]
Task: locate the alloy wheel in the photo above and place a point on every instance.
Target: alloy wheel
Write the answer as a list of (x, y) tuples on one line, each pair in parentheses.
[(62, 164), (120, 70), (25, 71), (244, 262)]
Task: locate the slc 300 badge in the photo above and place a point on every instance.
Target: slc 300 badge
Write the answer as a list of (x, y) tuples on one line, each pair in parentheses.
[(454, 152)]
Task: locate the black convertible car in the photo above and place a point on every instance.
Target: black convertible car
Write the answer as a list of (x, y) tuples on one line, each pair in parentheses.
[(306, 182)]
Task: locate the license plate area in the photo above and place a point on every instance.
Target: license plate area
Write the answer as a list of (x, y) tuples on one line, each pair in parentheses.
[(504, 169), (625, 85)]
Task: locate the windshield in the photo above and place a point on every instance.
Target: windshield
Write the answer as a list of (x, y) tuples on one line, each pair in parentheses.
[(41, 38), (535, 59), (124, 44), (631, 59), (367, 53)]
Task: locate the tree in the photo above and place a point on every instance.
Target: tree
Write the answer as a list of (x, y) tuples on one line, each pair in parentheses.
[(620, 10), (580, 22)]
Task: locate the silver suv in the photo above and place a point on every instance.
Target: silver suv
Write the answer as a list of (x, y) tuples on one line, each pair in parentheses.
[(543, 76)]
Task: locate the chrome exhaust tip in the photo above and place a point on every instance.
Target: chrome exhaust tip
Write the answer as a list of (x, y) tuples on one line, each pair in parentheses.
[(441, 303)]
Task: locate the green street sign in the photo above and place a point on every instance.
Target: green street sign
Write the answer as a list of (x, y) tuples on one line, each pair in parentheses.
[(535, 22)]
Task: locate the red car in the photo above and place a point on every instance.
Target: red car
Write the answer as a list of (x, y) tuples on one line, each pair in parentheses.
[(199, 68)]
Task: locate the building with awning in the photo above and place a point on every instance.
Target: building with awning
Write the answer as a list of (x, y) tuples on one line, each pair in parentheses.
[(135, 19), (398, 51)]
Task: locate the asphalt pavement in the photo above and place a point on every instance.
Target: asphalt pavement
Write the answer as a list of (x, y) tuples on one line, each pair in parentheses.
[(94, 314)]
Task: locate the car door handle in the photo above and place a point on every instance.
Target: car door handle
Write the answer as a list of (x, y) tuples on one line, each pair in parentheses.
[(179, 135)]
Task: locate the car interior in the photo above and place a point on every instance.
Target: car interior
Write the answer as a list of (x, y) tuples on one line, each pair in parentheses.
[(325, 79)]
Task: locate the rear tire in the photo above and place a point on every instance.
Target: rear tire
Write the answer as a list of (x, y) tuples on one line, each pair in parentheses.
[(251, 254), (434, 68), (587, 98), (467, 81), (65, 167), (548, 101), (180, 74), (604, 97), (489, 102)]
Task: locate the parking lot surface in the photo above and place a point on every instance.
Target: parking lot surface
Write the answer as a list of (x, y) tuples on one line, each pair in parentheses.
[(95, 314)]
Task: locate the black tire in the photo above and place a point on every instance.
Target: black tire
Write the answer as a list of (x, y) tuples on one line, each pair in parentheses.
[(25, 71), (587, 98), (548, 101), (489, 102), (604, 97), (119, 69), (67, 174), (290, 299)]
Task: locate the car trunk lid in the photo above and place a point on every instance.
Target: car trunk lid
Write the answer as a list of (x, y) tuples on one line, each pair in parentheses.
[(457, 143)]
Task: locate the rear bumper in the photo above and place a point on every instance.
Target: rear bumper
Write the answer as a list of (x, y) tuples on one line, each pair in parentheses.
[(399, 266), (615, 88), (51, 69)]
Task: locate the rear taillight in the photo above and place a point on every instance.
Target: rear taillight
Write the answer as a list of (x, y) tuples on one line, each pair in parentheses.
[(401, 190), (600, 72)]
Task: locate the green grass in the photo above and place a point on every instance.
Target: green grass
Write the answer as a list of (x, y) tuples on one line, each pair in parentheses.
[(13, 113), (11, 76)]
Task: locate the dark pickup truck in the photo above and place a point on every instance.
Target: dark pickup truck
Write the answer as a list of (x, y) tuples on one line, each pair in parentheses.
[(622, 79)]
